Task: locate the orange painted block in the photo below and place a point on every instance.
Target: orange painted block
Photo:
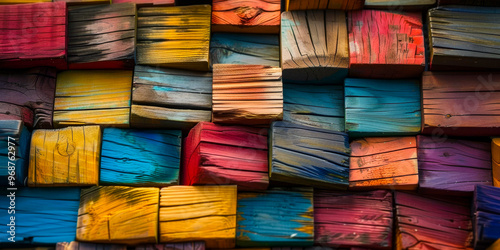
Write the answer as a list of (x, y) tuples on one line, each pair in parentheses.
[(246, 16), (495, 155)]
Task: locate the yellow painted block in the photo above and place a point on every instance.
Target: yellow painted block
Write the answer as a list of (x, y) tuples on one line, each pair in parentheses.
[(65, 157), (120, 215), (495, 155), (198, 213), (85, 1)]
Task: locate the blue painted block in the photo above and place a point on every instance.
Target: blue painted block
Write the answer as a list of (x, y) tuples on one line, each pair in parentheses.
[(486, 216), (14, 160), (276, 217), (135, 157), (382, 107)]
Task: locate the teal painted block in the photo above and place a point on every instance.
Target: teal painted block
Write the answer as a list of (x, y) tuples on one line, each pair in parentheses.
[(133, 157), (17, 158), (382, 107), (276, 217)]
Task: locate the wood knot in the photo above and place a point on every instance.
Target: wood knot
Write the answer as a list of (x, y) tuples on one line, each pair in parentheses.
[(247, 13), (66, 148)]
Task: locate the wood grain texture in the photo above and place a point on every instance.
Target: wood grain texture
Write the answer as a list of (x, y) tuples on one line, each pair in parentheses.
[(174, 37), (399, 4), (382, 107), (470, 2), (324, 4), (385, 44), (495, 161), (384, 163), (65, 157), (14, 152), (141, 3), (486, 216), (79, 2), (276, 217), (118, 215), (246, 16), (170, 98), (314, 46), (309, 156), (93, 97), (23, 1), (222, 155), (206, 213), (246, 94), (453, 166), (195, 245), (75, 245), (347, 219)]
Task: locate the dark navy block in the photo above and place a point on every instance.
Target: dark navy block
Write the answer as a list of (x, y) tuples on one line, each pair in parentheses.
[(486, 216)]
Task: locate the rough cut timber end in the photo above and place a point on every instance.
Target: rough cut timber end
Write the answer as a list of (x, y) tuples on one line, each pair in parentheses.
[(75, 245), (399, 4), (324, 4), (495, 160), (15, 143)]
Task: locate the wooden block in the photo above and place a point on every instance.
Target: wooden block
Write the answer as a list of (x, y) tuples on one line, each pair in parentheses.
[(314, 46), (75, 245), (118, 215), (385, 44), (148, 2), (205, 213), (196, 245), (453, 166), (42, 215), (276, 217), (486, 216), (133, 157), (309, 156), (384, 163), (170, 98), (33, 35), (495, 160), (191, 2), (470, 2), (23, 1), (101, 36), (174, 37), (93, 97), (79, 2), (399, 4), (495, 245), (382, 107), (324, 4), (32, 91), (14, 154), (246, 94), (346, 219), (246, 16), (227, 48)]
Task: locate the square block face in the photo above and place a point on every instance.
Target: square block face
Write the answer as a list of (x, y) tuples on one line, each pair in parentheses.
[(324, 4), (384, 163), (486, 214), (382, 107), (14, 152), (99, 97), (65, 157), (495, 160), (133, 157), (246, 16), (118, 215), (276, 217), (202, 213)]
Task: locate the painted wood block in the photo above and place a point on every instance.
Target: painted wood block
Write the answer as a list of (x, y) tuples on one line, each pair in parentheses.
[(495, 245), (246, 16), (309, 156), (28, 94), (142, 3), (118, 215), (102, 36), (80, 2), (191, 2), (23, 1), (75, 245), (384, 163), (99, 97), (319, 106), (453, 166), (495, 161), (14, 152), (195, 245), (399, 4), (347, 219), (324, 4), (385, 44), (246, 94), (174, 37), (276, 217), (133, 157), (382, 107), (65, 157), (204, 213), (314, 46), (486, 216), (470, 2), (170, 98), (227, 48), (33, 35), (460, 103), (42, 215)]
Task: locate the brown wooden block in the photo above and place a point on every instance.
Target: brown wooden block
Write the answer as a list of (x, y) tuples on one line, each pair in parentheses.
[(495, 160), (324, 4), (75, 245)]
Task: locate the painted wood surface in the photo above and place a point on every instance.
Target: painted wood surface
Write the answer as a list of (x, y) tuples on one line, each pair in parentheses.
[(460, 103), (206, 213), (79, 2), (174, 37), (246, 94), (170, 98), (276, 217), (348, 219), (42, 215), (14, 152), (495, 245), (222, 155), (399, 4), (486, 214), (65, 157), (101, 36), (453, 166), (118, 215), (24, 1), (17, 113), (99, 97), (196, 245), (258, 49), (246, 16), (382, 107), (31, 88), (385, 44), (469, 2), (148, 2), (384, 163), (324, 4), (309, 156), (33, 35), (319, 106), (314, 46), (495, 161), (75, 245)]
